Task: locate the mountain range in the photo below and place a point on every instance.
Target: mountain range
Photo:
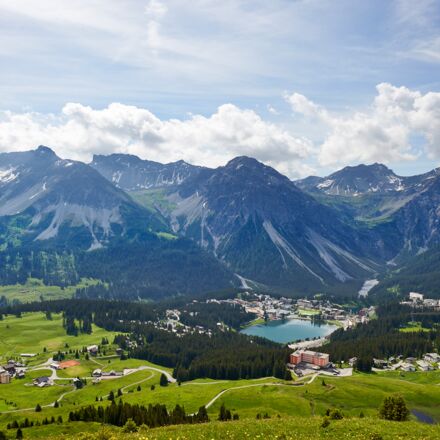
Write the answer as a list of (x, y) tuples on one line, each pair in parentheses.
[(151, 229)]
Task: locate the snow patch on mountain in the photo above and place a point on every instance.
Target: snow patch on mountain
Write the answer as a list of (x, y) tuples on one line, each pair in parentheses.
[(8, 175)]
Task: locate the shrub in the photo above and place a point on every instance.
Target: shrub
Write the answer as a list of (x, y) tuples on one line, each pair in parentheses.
[(130, 426), (394, 408), (325, 422)]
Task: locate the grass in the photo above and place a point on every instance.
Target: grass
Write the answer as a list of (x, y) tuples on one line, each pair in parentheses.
[(33, 332), (308, 312), (35, 290), (414, 327), (285, 428), (257, 321), (297, 406)]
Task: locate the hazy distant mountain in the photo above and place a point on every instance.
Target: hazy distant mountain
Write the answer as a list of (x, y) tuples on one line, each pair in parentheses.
[(131, 173), (354, 181)]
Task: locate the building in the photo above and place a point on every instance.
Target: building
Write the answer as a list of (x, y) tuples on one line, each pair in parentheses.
[(310, 357), (43, 381), (432, 357), (425, 366), (97, 373), (415, 297), (407, 367), (93, 350), (5, 377)]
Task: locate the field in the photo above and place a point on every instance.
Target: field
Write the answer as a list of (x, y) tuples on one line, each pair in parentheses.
[(35, 290), (284, 402)]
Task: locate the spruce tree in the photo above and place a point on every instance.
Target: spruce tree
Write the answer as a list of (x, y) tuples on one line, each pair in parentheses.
[(163, 380)]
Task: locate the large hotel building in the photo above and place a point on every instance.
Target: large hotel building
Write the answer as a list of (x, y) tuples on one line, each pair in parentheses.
[(310, 357)]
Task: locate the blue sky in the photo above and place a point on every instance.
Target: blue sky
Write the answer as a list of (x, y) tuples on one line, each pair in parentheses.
[(207, 80)]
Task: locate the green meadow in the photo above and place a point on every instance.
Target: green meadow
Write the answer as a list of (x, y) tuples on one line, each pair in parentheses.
[(287, 404), (35, 290)]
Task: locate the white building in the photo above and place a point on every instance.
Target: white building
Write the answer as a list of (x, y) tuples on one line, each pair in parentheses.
[(407, 367), (424, 366), (415, 297)]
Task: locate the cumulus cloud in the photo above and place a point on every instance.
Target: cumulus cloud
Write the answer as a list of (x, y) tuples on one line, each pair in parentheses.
[(384, 132), (80, 131)]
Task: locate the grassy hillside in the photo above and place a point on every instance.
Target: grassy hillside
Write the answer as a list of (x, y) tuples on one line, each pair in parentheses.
[(35, 290), (292, 407), (289, 428)]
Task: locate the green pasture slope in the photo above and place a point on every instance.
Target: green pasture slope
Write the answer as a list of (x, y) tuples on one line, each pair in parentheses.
[(35, 290), (295, 411)]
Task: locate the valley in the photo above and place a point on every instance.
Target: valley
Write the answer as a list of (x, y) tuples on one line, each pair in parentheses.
[(286, 402), (175, 293)]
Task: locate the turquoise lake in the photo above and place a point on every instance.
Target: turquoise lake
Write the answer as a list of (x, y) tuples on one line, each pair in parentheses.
[(289, 330)]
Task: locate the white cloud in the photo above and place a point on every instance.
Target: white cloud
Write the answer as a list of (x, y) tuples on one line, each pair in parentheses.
[(79, 131), (384, 132)]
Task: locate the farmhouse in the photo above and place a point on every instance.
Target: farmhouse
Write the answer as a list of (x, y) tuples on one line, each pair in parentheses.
[(408, 367), (97, 373), (432, 357), (310, 357), (43, 381), (425, 366), (5, 377), (93, 350)]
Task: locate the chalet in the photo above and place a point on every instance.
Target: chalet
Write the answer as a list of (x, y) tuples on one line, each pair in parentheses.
[(10, 368), (5, 377), (380, 363), (97, 373), (43, 381), (431, 357), (407, 367), (20, 374), (424, 366), (93, 350)]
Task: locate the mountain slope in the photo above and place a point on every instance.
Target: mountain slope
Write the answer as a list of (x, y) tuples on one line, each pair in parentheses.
[(51, 194), (354, 181), (420, 273), (268, 230), (60, 220), (132, 173)]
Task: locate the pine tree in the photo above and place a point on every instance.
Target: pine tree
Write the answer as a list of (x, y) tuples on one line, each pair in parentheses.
[(163, 380), (38, 408), (19, 434)]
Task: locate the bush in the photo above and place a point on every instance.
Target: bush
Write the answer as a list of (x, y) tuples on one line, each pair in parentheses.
[(130, 426), (325, 422), (394, 408), (334, 414)]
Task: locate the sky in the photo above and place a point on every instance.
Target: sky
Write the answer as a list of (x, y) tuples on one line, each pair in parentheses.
[(306, 86)]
